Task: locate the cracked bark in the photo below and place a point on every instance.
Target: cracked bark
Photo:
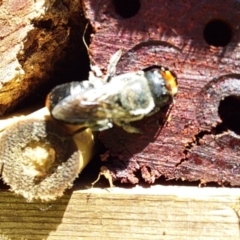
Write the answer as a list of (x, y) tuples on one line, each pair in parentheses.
[(34, 36), (197, 138)]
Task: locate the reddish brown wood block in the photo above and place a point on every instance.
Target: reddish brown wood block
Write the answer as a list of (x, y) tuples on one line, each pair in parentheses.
[(197, 138)]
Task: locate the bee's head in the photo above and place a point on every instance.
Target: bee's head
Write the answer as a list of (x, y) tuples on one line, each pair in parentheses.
[(162, 83)]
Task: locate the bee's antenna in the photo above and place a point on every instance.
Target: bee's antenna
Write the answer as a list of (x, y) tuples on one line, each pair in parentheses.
[(83, 37)]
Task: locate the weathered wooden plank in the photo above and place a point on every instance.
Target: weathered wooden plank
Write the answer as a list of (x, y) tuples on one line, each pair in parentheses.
[(158, 212)]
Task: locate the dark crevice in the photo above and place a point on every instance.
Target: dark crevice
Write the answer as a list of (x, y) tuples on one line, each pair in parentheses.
[(219, 129), (72, 66), (44, 24), (229, 113), (197, 141)]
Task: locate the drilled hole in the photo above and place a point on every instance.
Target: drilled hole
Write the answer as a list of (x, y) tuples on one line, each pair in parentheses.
[(127, 8), (229, 112), (217, 33)]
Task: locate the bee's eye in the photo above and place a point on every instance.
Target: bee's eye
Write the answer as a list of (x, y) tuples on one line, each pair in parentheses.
[(158, 87)]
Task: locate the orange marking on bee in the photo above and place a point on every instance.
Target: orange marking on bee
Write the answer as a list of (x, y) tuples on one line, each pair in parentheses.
[(171, 81), (48, 102)]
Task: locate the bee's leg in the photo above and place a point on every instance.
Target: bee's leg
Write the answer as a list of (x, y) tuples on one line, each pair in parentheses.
[(155, 110), (127, 127), (97, 82), (136, 118), (96, 71), (111, 69), (95, 76), (106, 173)]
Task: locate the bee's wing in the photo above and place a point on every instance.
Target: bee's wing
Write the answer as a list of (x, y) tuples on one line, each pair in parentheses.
[(62, 91), (88, 106)]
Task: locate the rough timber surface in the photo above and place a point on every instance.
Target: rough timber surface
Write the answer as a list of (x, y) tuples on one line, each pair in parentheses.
[(190, 140), (34, 35), (155, 213), (139, 212)]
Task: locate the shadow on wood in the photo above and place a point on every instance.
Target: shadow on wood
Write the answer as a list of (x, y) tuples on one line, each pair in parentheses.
[(22, 220)]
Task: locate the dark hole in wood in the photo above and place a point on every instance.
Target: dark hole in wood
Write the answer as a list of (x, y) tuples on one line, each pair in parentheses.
[(127, 8), (229, 112), (74, 66), (44, 24), (217, 33)]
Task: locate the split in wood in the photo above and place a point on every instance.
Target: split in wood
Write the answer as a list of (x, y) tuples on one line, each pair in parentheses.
[(39, 158)]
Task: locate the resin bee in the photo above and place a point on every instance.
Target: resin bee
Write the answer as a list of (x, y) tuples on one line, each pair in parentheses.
[(100, 102)]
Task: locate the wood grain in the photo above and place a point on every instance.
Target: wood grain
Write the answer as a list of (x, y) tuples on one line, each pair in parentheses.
[(35, 36), (197, 138), (54, 156), (158, 212), (32, 38)]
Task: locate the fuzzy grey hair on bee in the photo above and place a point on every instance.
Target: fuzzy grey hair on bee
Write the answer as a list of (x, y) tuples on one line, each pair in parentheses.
[(102, 101)]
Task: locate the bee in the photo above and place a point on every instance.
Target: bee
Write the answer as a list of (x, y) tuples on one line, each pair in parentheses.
[(102, 101)]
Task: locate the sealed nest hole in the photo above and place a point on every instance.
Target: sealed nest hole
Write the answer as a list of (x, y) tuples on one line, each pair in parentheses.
[(39, 161)]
